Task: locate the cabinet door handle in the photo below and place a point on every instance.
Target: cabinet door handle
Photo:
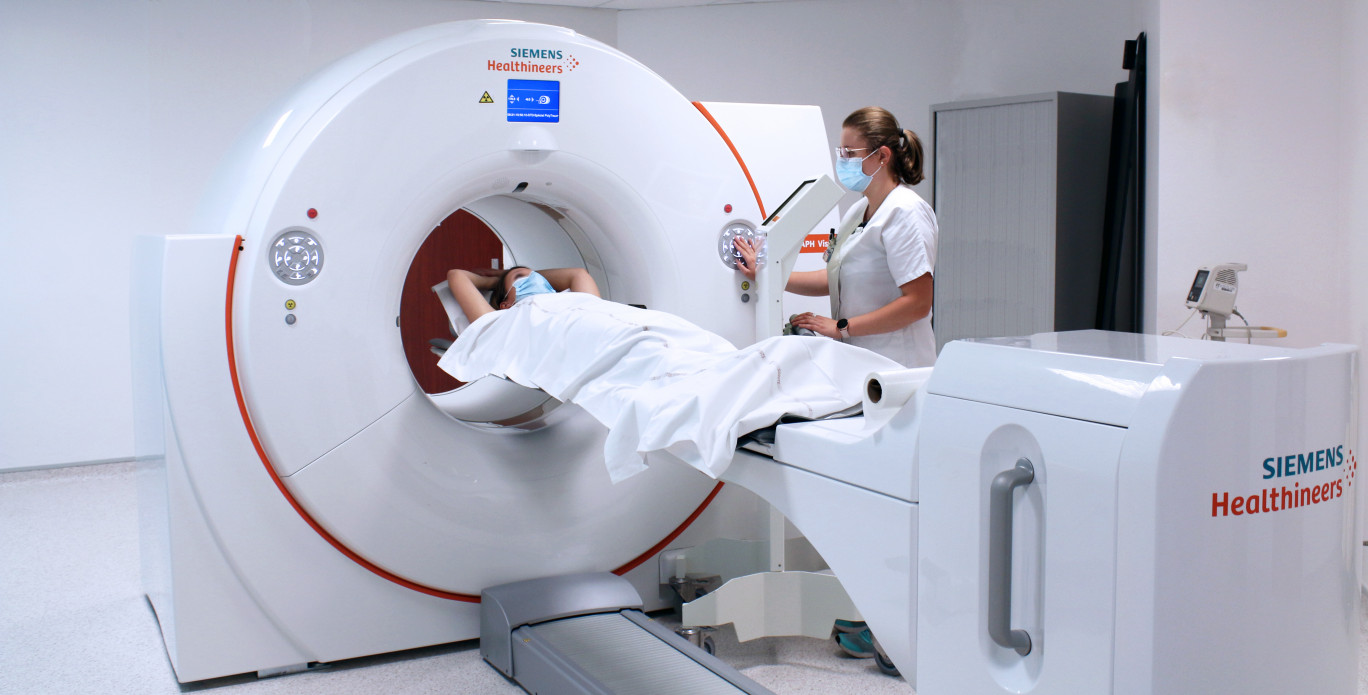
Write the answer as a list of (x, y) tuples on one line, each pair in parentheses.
[(1000, 557)]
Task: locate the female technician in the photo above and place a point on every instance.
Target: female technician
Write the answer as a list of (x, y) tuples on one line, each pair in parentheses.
[(880, 261)]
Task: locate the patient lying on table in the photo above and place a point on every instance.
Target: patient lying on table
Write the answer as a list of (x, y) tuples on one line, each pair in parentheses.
[(513, 284), (660, 384)]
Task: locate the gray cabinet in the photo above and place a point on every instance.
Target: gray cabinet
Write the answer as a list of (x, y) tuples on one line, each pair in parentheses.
[(1019, 191)]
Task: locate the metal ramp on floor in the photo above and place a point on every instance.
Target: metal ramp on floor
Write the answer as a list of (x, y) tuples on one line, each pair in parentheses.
[(583, 633)]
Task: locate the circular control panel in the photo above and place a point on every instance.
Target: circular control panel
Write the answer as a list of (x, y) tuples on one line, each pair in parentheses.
[(295, 256), (727, 250)]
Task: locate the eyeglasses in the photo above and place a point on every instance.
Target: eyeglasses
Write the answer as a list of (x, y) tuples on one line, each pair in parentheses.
[(848, 152)]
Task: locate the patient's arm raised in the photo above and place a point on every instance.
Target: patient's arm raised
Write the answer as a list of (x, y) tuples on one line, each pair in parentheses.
[(467, 287), (573, 279)]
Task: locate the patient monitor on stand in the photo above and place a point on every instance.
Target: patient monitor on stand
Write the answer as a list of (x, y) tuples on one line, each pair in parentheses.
[(1213, 294)]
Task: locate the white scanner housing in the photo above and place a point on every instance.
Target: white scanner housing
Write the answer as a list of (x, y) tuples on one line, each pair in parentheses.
[(304, 500)]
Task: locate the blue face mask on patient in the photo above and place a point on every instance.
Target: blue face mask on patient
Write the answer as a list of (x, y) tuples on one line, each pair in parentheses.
[(531, 284)]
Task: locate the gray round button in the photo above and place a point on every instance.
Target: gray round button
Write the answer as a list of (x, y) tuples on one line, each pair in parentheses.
[(295, 256)]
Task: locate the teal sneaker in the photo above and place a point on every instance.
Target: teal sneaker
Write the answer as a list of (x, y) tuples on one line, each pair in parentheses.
[(850, 625), (857, 644)]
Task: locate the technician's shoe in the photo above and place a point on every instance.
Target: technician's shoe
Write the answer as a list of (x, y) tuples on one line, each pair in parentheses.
[(850, 625), (857, 644)]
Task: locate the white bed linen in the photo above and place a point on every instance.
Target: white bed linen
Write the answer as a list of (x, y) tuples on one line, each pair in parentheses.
[(658, 382)]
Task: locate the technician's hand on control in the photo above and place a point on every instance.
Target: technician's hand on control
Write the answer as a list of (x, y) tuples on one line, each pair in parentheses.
[(746, 263), (820, 325)]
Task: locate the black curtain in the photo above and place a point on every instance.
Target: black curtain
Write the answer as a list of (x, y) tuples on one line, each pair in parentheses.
[(1119, 303)]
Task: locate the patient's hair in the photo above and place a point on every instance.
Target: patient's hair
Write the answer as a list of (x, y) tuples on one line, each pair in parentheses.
[(500, 292)]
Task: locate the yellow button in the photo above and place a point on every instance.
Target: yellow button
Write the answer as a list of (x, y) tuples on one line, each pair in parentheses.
[(289, 304), (745, 284)]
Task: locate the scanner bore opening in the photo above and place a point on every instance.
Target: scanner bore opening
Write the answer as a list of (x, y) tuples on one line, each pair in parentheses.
[(464, 241), (487, 236)]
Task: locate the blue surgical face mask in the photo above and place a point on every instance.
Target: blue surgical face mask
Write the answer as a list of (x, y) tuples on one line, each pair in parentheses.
[(850, 171), (531, 284)]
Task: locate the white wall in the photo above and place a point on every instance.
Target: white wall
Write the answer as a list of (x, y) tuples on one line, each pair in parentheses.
[(74, 188), (1355, 194), (905, 55), (114, 115), (1251, 149), (1355, 175), (116, 112)]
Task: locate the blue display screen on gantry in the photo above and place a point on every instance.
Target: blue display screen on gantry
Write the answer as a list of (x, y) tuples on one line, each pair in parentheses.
[(534, 101)]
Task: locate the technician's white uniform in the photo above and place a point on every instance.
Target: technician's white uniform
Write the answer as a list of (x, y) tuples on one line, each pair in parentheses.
[(896, 246)]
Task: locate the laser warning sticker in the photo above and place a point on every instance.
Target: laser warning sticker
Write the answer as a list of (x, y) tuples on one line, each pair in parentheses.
[(533, 101)]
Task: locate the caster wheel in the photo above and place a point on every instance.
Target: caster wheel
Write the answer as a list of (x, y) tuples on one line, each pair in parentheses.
[(699, 637), (886, 666), (882, 661)]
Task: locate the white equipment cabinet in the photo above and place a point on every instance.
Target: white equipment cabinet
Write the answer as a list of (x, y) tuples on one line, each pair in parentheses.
[(1187, 525)]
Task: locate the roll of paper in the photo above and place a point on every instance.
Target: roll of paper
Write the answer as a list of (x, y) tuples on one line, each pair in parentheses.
[(886, 393)]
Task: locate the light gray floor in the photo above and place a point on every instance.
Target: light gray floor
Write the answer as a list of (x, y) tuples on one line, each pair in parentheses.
[(73, 618)]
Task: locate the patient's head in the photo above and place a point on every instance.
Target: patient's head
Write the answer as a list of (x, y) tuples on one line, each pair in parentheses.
[(519, 282), (504, 295)]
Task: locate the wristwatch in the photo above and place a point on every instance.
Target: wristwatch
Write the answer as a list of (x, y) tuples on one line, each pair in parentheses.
[(843, 325)]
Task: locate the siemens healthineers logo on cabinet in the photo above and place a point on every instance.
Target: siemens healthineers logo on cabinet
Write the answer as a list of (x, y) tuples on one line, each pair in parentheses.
[(1295, 481)]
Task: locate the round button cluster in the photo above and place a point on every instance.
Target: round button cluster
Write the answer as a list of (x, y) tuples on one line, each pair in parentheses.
[(295, 256), (727, 250)]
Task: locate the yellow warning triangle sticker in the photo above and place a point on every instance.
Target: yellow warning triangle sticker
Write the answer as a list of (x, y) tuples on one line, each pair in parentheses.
[(486, 99)]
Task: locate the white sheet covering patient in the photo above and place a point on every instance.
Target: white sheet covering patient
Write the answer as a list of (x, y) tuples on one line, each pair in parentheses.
[(659, 383)]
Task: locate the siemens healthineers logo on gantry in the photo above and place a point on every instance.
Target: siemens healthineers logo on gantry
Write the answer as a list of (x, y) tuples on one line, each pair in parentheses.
[(1318, 476), (520, 60)]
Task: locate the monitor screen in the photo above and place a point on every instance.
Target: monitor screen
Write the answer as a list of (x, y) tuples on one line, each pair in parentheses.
[(782, 206), (1198, 284), (534, 101)]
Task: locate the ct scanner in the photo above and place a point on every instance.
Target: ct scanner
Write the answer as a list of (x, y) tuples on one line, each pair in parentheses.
[(1043, 514), (382, 517)]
